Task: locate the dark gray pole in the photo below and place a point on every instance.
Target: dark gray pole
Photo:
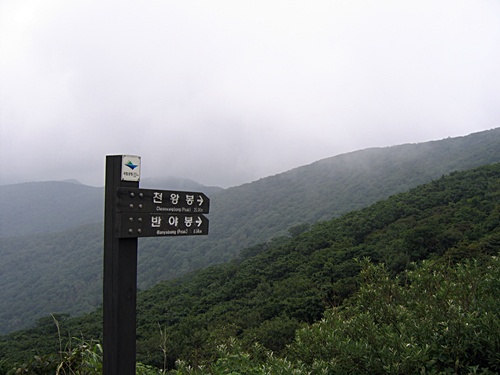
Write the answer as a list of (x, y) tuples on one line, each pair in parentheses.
[(120, 281)]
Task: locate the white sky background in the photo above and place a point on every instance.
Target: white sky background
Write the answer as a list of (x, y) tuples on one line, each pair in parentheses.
[(226, 92)]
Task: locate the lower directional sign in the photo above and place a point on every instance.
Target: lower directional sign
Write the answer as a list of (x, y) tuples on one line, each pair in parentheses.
[(159, 225)]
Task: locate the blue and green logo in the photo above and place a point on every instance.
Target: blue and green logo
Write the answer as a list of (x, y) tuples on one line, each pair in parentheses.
[(131, 165)]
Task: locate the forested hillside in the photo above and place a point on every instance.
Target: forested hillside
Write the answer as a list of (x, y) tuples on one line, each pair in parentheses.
[(46, 273), (275, 288), (240, 217), (251, 213), (51, 247)]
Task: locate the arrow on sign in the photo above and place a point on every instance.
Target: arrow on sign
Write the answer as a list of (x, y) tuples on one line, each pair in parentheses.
[(200, 200)]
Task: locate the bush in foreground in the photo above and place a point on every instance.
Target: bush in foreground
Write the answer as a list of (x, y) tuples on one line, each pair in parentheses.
[(433, 319)]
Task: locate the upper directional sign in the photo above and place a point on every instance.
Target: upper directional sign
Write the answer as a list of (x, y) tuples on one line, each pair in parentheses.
[(135, 200)]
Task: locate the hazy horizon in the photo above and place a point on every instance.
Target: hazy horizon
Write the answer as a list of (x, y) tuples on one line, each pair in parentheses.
[(225, 92), (166, 177)]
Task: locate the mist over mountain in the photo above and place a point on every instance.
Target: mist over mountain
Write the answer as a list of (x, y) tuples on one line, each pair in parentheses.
[(39, 268)]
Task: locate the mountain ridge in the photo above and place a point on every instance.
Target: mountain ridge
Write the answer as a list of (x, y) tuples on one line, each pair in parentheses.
[(54, 206), (240, 217)]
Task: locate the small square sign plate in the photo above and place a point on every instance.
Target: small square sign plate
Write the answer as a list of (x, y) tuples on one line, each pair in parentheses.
[(131, 168)]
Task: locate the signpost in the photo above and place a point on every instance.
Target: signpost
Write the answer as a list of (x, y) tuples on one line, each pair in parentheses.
[(130, 213)]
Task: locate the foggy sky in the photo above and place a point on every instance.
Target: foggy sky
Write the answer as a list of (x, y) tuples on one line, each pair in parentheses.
[(226, 92)]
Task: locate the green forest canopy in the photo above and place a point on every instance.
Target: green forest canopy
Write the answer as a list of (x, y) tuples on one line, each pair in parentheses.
[(275, 288)]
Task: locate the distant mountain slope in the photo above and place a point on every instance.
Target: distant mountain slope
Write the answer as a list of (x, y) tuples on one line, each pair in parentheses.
[(254, 212), (177, 183), (240, 217), (44, 207), (273, 288), (54, 206), (353, 180)]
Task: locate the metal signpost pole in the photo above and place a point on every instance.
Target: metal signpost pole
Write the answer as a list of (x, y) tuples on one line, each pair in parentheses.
[(120, 277), (129, 213)]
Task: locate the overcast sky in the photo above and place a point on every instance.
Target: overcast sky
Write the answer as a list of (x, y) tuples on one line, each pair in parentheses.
[(228, 91)]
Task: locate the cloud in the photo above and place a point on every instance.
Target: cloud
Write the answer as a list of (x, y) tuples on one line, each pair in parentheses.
[(226, 92)]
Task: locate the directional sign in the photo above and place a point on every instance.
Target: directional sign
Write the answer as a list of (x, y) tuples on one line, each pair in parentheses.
[(159, 225), (132, 200)]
